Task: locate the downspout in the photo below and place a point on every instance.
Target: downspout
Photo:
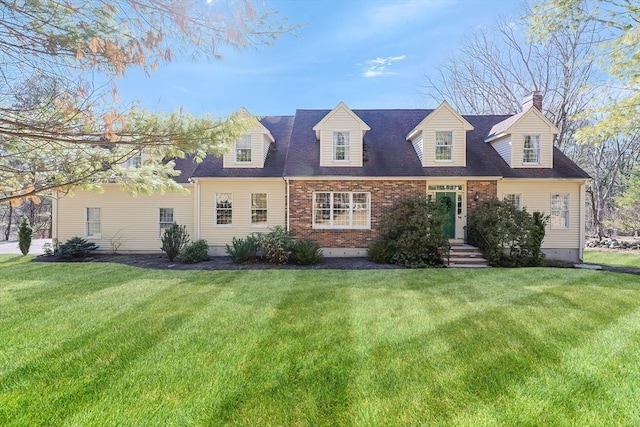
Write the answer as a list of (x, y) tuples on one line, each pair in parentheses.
[(583, 201), (286, 181), (196, 218), (54, 219)]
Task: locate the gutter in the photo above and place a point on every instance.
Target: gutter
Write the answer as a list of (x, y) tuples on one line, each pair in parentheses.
[(496, 136)]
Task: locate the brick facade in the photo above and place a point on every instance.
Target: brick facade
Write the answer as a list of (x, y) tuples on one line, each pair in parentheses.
[(384, 194), (485, 190)]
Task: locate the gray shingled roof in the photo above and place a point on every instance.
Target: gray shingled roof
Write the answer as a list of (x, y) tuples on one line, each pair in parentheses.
[(211, 166), (296, 152)]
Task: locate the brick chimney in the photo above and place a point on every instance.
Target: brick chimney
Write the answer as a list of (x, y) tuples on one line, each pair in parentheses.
[(533, 99)]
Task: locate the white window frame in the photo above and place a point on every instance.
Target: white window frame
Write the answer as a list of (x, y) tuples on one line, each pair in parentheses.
[(514, 198), (345, 145), (243, 149), (135, 162), (331, 210), (165, 221), (444, 144), (560, 219), (92, 221), (256, 209), (531, 152), (217, 210)]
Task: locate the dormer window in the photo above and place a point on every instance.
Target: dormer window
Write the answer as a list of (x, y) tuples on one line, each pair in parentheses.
[(341, 146), (444, 146), (531, 149), (135, 162), (243, 149)]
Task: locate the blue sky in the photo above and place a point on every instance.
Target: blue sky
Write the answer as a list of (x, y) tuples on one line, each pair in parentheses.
[(367, 53)]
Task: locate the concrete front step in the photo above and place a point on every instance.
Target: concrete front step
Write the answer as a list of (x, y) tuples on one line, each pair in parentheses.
[(455, 260), (468, 266), (466, 256)]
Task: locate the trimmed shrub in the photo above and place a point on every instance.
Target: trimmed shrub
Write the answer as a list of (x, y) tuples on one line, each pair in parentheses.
[(243, 250), (507, 236), (75, 248), (307, 252), (413, 230), (195, 252), (276, 246), (50, 249), (380, 252), (174, 240), (25, 233)]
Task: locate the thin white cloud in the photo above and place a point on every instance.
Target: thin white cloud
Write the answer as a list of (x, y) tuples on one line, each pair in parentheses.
[(401, 12), (380, 66)]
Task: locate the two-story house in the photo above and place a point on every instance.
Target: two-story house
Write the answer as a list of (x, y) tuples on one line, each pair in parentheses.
[(329, 175)]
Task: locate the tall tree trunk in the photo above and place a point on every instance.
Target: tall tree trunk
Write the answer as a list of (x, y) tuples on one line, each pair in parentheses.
[(7, 231)]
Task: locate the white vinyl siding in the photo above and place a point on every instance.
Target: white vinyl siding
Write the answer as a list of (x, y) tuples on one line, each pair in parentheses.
[(503, 147), (560, 211), (265, 149), (343, 210), (340, 146), (532, 125), (531, 149), (417, 145), (93, 223), (536, 196), (444, 146), (342, 120), (241, 191), (137, 232), (435, 152), (224, 209), (165, 220), (250, 151), (259, 209)]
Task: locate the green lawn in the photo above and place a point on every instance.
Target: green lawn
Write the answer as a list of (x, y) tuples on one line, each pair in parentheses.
[(104, 344), (616, 259)]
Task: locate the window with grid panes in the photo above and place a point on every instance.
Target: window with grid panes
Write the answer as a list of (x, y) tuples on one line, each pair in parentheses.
[(559, 211), (341, 210), (531, 149), (224, 208), (444, 145), (93, 226), (514, 199), (341, 146), (259, 209), (166, 220), (243, 149)]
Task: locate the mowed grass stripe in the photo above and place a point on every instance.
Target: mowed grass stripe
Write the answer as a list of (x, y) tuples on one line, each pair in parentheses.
[(311, 347)]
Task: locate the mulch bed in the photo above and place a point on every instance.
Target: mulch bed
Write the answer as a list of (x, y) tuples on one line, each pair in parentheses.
[(160, 262)]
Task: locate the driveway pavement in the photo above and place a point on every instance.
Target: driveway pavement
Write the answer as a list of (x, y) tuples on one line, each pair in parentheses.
[(11, 246)]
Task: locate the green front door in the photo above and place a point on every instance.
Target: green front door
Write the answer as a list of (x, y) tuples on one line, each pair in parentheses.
[(449, 200)]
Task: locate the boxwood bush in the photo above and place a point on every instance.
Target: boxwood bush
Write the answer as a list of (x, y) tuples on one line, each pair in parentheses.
[(195, 252)]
